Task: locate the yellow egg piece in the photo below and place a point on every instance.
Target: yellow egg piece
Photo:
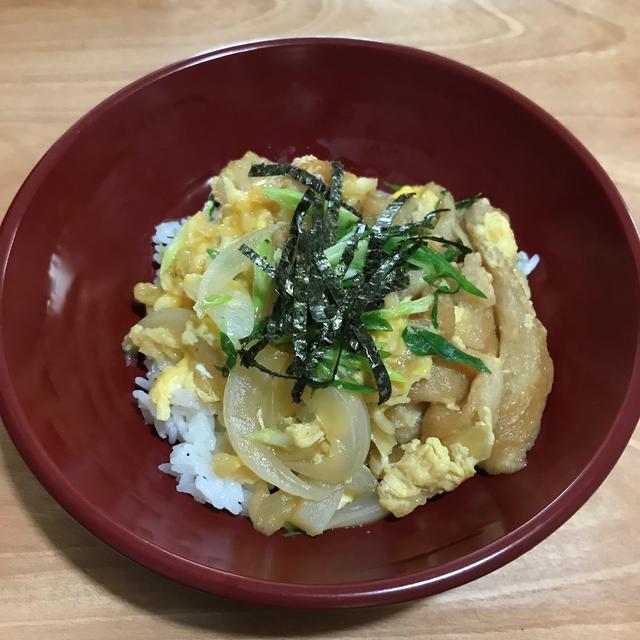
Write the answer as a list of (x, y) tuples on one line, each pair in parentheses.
[(425, 470)]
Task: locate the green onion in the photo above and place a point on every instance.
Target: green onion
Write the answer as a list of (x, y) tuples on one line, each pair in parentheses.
[(341, 383), (347, 358), (436, 266), (214, 300), (335, 252), (396, 376), (352, 386), (290, 198), (213, 253), (262, 282), (374, 322), (406, 308), (426, 343), (230, 351)]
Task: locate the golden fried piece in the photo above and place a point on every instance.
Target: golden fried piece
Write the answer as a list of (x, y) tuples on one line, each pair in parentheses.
[(527, 367)]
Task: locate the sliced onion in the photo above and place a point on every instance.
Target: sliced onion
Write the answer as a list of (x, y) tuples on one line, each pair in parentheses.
[(345, 420), (363, 510), (314, 517), (235, 317), (363, 482), (244, 394), (269, 511), (174, 319)]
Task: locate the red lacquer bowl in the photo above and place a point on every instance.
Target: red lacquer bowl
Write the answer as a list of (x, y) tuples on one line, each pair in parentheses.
[(77, 237)]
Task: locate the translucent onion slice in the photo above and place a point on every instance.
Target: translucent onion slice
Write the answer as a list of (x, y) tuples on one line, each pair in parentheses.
[(235, 317), (243, 397), (345, 421), (174, 319), (314, 517), (362, 482), (363, 510)]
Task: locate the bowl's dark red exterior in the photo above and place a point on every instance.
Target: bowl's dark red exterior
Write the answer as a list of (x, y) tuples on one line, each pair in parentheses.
[(76, 239)]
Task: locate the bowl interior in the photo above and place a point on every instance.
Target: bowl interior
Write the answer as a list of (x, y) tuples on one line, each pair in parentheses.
[(84, 240)]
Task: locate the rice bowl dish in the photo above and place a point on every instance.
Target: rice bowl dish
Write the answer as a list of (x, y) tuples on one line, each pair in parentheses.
[(325, 351)]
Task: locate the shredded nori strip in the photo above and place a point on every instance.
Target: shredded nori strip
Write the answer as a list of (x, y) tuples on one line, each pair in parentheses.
[(299, 315), (462, 249), (285, 169), (383, 382), (414, 227), (467, 202), (387, 216), (335, 198), (258, 260), (316, 309), (350, 249), (302, 176)]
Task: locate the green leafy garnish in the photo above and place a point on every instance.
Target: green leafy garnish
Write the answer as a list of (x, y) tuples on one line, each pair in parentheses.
[(347, 359), (467, 202), (340, 383), (374, 322), (346, 379), (290, 198), (230, 351), (435, 266), (381, 317), (396, 376), (213, 253), (291, 530), (214, 300), (339, 252), (426, 343)]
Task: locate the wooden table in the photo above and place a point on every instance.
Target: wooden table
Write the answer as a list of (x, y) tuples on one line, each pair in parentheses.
[(579, 60)]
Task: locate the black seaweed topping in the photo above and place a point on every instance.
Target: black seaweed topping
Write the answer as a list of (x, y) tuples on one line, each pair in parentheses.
[(317, 310), (258, 260)]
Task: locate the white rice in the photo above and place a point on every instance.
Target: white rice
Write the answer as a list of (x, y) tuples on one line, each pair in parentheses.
[(165, 232), (191, 427), (527, 264)]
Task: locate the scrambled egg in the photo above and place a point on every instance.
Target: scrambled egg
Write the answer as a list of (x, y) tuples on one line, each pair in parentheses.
[(411, 473), (171, 378), (159, 343), (410, 367), (496, 232), (425, 197), (304, 434), (425, 470), (186, 258), (230, 467)]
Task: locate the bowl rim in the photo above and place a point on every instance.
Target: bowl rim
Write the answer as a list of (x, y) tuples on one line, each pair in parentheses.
[(357, 593)]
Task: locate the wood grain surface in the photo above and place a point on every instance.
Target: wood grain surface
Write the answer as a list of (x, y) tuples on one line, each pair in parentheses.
[(578, 60)]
